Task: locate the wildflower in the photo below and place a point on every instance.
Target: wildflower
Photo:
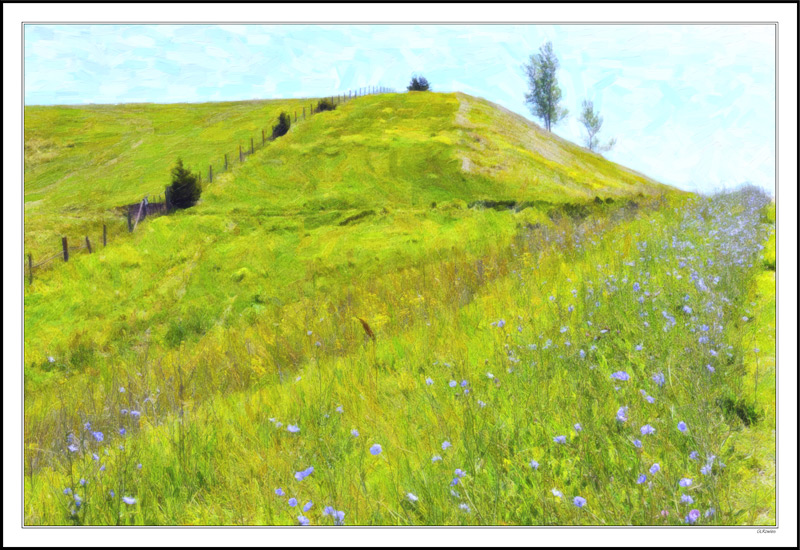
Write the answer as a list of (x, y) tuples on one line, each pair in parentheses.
[(481, 403), (436, 458), (453, 383), (302, 520), (659, 379), (375, 450), (641, 479), (501, 323), (121, 390), (429, 381), (705, 470), (685, 482), (460, 473), (129, 500), (710, 368), (338, 517), (98, 436), (647, 429), (556, 493), (637, 443), (693, 455), (580, 502), (292, 428), (339, 409), (465, 507), (135, 414), (292, 502), (463, 383), (534, 465), (655, 468), (710, 512), (582, 354), (639, 347), (111, 492), (51, 359), (67, 491), (489, 375), (279, 492), (412, 497), (139, 466), (95, 457), (354, 432), (300, 476), (328, 511), (446, 445), (562, 439), (620, 375), (682, 426), (686, 499), (622, 414), (687, 309), (636, 287), (122, 431), (88, 426), (693, 516)]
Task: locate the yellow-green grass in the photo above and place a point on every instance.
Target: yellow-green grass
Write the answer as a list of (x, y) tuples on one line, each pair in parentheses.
[(83, 161), (222, 462), (246, 307)]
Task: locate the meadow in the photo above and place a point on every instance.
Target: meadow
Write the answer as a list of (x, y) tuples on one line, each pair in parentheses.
[(345, 331)]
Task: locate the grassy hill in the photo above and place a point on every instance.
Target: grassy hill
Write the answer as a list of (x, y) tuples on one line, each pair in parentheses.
[(496, 329)]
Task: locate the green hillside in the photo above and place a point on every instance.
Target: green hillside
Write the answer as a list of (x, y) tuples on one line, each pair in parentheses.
[(425, 272)]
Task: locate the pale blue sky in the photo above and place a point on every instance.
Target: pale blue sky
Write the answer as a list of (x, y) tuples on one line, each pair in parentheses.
[(692, 106)]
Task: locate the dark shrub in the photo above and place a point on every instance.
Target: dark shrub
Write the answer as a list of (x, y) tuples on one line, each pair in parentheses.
[(419, 84), (284, 123), (185, 189), (325, 105)]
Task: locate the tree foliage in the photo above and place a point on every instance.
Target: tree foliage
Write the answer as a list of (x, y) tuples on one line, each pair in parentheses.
[(419, 84), (284, 123), (325, 105), (185, 189), (544, 95), (592, 122)]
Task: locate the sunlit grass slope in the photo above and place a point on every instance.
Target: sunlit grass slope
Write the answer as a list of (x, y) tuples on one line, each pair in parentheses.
[(82, 161)]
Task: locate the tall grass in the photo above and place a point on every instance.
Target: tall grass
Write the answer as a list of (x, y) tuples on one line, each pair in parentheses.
[(503, 383)]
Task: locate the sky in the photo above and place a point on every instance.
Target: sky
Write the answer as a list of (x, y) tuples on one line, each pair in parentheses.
[(690, 105)]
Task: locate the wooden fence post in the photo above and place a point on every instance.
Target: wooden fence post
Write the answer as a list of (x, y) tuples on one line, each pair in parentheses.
[(30, 269), (304, 113), (130, 225), (88, 244), (251, 146), (166, 198), (263, 137), (295, 116), (226, 162), (210, 174), (241, 158), (65, 248), (104, 235)]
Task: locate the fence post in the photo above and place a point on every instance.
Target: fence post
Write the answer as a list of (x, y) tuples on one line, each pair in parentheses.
[(251, 146), (88, 244), (263, 138), (30, 269), (210, 174), (241, 159), (304, 113), (130, 226), (105, 232), (65, 248), (295, 116)]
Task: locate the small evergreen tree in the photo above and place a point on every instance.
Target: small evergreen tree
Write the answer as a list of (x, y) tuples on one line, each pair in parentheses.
[(325, 105), (284, 123), (185, 189), (419, 84)]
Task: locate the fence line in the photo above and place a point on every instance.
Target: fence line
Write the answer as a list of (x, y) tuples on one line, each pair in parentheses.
[(147, 208)]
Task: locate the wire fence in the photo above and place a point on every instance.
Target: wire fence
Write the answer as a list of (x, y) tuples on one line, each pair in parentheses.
[(139, 211)]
